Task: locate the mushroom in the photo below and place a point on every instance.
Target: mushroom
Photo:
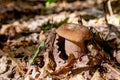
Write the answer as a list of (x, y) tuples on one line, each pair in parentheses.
[(75, 36)]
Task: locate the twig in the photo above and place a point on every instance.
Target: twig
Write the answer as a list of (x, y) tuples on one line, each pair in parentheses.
[(109, 7), (105, 13)]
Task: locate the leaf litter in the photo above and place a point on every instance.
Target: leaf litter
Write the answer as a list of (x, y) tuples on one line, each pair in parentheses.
[(24, 40)]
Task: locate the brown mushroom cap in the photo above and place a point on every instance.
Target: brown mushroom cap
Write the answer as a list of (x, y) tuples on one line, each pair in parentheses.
[(74, 32)]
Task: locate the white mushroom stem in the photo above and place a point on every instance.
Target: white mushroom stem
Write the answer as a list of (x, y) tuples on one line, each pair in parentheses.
[(74, 48)]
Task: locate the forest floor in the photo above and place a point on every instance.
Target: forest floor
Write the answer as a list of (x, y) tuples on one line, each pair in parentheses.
[(31, 47)]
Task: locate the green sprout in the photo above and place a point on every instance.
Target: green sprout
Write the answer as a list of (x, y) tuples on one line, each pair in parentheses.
[(41, 46), (49, 2)]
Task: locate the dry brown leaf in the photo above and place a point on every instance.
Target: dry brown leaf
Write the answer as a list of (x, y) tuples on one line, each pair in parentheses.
[(83, 62), (77, 77), (58, 60), (51, 35), (3, 65), (5, 28), (48, 66), (10, 69), (28, 78), (32, 72), (65, 68), (49, 63), (41, 37), (19, 27), (97, 76), (117, 56), (20, 67), (112, 73), (11, 29), (22, 41)]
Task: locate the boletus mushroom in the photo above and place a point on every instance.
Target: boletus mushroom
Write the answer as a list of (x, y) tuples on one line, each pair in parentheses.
[(75, 36)]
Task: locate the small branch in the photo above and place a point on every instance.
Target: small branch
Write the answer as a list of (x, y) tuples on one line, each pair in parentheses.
[(105, 10), (109, 7), (105, 13)]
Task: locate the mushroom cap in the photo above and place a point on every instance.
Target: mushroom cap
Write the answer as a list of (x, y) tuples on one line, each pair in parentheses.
[(74, 32)]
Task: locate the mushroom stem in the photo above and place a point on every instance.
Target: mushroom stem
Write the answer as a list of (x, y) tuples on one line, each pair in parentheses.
[(78, 49)]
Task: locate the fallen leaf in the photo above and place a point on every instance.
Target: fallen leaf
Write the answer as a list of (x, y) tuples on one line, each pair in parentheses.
[(77, 77), (112, 73), (3, 65), (97, 76)]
